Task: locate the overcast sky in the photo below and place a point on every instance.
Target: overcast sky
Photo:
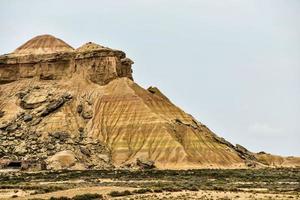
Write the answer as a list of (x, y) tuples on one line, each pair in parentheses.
[(232, 64)]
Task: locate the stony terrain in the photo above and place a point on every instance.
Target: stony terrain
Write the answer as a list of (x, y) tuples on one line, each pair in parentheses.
[(66, 108)]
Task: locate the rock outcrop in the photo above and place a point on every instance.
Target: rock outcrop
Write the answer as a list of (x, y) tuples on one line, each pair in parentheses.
[(90, 62), (80, 109)]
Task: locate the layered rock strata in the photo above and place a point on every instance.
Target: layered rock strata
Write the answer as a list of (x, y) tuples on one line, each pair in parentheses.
[(81, 109), (92, 62)]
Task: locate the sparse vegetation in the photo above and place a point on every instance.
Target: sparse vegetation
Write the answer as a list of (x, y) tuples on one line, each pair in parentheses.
[(87, 197), (142, 191), (119, 194), (152, 182), (60, 198), (80, 197)]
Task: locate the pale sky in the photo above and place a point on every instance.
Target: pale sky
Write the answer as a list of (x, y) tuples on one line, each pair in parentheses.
[(233, 64)]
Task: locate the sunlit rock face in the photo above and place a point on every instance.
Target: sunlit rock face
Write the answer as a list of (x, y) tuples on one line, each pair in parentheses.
[(83, 102), (48, 58)]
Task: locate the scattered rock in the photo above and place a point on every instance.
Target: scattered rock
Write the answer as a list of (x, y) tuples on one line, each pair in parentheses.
[(126, 61), (12, 127), (87, 114), (85, 151), (244, 152), (50, 147), (90, 102), (27, 117), (36, 87), (104, 157), (62, 136), (178, 121), (79, 108), (152, 90), (52, 106), (67, 96), (261, 153), (156, 91), (80, 129), (222, 140), (18, 134), (3, 125), (22, 94), (250, 164), (47, 77), (33, 99), (2, 113), (145, 164)]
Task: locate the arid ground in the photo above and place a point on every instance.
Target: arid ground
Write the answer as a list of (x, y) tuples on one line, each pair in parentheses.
[(279, 183)]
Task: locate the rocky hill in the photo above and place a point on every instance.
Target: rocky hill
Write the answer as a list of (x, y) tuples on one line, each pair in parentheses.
[(62, 107)]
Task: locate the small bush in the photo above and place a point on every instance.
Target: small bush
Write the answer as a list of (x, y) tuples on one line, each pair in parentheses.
[(87, 197), (172, 189), (142, 191), (119, 194), (48, 189), (158, 190), (193, 188), (80, 197), (59, 198), (219, 188)]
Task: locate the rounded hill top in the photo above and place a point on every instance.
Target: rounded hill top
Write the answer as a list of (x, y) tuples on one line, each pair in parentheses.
[(43, 44)]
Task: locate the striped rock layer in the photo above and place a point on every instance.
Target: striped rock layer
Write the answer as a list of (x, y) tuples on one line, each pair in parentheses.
[(89, 95)]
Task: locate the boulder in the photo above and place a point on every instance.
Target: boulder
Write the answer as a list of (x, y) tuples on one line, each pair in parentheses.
[(1, 113), (61, 160), (4, 125), (244, 152), (87, 114), (50, 147), (61, 135), (67, 96), (79, 108), (145, 163), (22, 94), (85, 151), (36, 121), (81, 129), (12, 127), (33, 99), (19, 134), (27, 117), (47, 77), (52, 106)]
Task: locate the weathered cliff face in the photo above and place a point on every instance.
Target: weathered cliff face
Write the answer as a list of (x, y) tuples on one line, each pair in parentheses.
[(93, 62), (81, 109)]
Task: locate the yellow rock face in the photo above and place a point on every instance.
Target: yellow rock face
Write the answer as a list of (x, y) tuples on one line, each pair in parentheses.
[(131, 121), (136, 123), (85, 102)]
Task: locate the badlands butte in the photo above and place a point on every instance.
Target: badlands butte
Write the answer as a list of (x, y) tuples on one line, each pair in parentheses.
[(66, 108)]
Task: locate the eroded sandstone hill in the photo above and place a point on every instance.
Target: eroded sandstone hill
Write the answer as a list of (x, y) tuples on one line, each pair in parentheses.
[(80, 108)]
